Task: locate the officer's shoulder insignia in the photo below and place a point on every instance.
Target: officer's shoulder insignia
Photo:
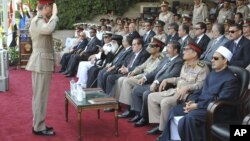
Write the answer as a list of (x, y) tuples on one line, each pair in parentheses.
[(201, 64), (39, 16), (160, 57)]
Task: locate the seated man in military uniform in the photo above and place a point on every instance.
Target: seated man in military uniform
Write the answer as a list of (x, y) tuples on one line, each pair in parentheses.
[(191, 78)]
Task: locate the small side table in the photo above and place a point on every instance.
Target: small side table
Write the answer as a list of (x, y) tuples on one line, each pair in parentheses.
[(85, 105)]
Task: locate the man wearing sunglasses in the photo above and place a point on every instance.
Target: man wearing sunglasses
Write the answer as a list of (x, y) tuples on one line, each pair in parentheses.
[(192, 125), (239, 46), (192, 76)]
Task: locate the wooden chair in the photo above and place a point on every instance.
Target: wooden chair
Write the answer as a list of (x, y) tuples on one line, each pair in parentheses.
[(220, 131)]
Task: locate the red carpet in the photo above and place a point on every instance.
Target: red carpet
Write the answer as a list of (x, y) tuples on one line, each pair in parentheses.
[(16, 116)]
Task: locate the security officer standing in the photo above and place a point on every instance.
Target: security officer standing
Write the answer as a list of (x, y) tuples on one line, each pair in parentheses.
[(225, 13), (166, 15), (160, 34), (200, 12), (41, 63), (242, 8), (246, 28)]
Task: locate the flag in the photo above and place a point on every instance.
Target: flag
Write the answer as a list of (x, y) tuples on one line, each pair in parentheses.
[(11, 35), (22, 21)]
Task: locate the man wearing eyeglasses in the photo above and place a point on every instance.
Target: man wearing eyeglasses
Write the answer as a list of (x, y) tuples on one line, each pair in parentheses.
[(239, 46), (149, 33), (218, 39), (192, 113), (200, 37), (172, 33)]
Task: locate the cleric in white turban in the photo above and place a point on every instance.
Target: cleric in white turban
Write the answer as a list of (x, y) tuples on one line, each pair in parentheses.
[(225, 52)]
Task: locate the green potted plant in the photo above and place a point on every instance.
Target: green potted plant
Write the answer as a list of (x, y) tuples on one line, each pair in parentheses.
[(13, 56)]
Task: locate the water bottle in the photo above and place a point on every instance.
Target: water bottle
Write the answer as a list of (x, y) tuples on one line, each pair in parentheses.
[(79, 95), (73, 87)]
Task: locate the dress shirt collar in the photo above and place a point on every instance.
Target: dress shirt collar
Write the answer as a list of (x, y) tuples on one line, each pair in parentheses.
[(172, 58), (218, 38), (183, 38), (237, 40), (128, 48)]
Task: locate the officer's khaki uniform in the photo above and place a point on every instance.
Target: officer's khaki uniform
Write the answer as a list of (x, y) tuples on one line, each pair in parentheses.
[(128, 83), (41, 63), (167, 17), (244, 10), (160, 103), (225, 14), (161, 36), (200, 12)]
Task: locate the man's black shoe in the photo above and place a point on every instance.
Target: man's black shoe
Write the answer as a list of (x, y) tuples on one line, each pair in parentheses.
[(61, 71), (134, 119), (44, 133), (126, 114), (141, 122), (159, 138), (65, 73), (109, 110), (154, 131), (47, 128), (69, 75)]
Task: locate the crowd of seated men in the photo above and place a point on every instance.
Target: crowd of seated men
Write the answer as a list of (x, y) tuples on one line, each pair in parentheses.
[(158, 66)]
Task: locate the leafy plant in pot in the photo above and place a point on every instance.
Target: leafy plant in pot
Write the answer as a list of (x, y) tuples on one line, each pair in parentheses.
[(13, 56)]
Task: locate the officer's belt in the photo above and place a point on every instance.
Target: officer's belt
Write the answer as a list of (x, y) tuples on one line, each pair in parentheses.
[(42, 50)]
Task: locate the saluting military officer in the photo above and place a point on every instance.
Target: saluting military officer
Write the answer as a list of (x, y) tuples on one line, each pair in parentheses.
[(166, 15), (225, 13), (41, 63), (200, 12), (160, 34), (191, 78)]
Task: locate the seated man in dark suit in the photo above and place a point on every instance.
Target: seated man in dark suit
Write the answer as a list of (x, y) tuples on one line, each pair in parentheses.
[(138, 57), (183, 32), (76, 50), (218, 39), (172, 33), (200, 35), (132, 31), (149, 33), (169, 67), (104, 61), (239, 46), (118, 61), (90, 49), (192, 126)]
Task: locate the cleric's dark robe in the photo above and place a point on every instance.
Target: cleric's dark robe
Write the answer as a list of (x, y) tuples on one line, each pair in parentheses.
[(221, 85)]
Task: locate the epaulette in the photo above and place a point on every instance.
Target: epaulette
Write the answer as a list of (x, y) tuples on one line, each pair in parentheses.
[(161, 56), (40, 16), (203, 4), (201, 64)]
